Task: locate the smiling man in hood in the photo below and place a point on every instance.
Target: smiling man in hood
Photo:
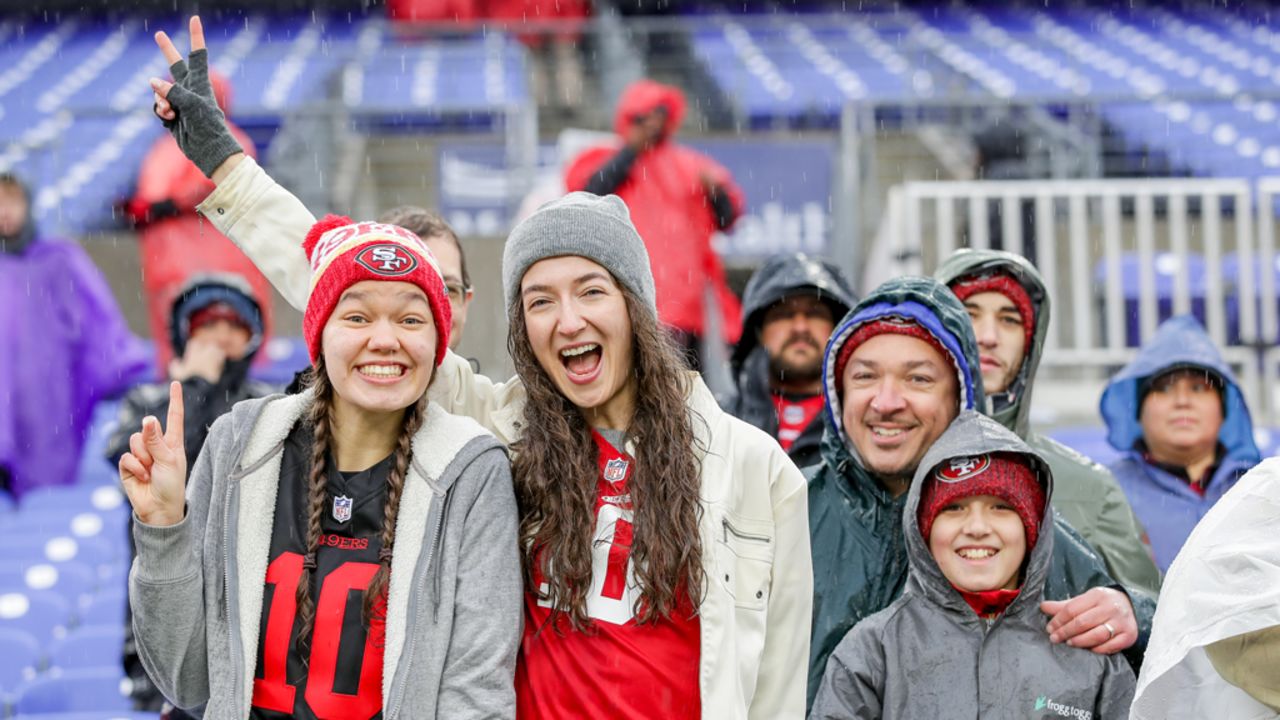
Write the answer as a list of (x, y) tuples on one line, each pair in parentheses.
[(962, 617), (1008, 305), (900, 367), (1181, 421), (790, 306)]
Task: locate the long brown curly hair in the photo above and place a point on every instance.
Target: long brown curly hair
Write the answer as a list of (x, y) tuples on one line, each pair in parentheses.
[(321, 421), (555, 470)]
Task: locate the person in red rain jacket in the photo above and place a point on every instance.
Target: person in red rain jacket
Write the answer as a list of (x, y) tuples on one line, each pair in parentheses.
[(677, 197), (164, 210)]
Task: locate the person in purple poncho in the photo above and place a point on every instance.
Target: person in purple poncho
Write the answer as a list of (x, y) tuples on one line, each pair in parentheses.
[(65, 347)]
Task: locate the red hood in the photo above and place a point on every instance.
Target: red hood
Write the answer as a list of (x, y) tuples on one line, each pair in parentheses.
[(643, 97)]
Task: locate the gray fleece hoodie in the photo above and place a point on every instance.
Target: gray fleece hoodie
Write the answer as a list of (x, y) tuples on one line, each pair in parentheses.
[(929, 655), (453, 602)]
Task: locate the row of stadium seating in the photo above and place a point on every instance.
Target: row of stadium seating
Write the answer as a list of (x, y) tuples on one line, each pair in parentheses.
[(75, 111), (63, 600), (1136, 65)]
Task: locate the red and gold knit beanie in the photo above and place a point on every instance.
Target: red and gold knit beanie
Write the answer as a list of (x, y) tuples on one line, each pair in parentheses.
[(1005, 476), (1006, 285), (343, 252)]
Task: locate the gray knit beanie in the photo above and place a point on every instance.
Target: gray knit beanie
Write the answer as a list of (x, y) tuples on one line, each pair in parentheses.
[(590, 226)]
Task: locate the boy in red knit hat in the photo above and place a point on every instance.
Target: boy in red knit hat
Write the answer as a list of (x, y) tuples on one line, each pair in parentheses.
[(966, 638)]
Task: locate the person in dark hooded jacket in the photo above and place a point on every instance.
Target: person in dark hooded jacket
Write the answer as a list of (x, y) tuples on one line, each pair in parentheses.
[(857, 492), (215, 332), (678, 198), (1182, 425), (977, 524), (789, 309), (1009, 305)]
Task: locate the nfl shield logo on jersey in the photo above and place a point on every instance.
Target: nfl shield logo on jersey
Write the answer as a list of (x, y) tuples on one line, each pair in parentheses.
[(342, 508), (615, 470)]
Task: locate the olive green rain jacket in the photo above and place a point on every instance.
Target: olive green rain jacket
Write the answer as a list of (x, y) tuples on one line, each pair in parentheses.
[(1085, 493)]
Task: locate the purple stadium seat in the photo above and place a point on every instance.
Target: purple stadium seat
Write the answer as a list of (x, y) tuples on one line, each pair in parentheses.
[(91, 646), (76, 691), (19, 658), (43, 613)]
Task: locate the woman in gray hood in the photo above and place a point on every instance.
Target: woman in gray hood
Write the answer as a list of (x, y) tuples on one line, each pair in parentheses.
[(945, 650), (345, 553)]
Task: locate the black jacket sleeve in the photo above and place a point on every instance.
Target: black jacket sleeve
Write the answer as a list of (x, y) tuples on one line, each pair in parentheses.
[(612, 174)]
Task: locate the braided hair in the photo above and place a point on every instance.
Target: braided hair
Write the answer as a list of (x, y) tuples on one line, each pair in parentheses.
[(321, 420)]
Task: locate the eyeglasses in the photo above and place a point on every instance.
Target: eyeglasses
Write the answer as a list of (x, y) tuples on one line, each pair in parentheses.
[(457, 292)]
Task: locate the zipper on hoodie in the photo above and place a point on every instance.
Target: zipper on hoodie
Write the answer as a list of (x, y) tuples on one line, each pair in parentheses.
[(393, 707), (731, 530), (233, 629)]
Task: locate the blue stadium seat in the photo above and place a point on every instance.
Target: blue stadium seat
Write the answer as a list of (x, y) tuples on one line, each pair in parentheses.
[(72, 580), (60, 549), (106, 608), (91, 646), (1166, 267), (82, 497), (43, 613), (97, 690), (20, 655), (103, 715)]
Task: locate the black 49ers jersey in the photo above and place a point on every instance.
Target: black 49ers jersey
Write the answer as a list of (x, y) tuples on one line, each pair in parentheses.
[(340, 678)]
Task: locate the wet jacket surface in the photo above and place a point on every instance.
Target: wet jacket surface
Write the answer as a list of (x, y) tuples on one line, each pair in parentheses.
[(66, 347), (777, 279), (1165, 503), (929, 655), (855, 525), (669, 205), (1085, 493)]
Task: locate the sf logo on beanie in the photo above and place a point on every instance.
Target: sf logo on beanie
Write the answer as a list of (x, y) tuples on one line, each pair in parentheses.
[(963, 468), (387, 259)]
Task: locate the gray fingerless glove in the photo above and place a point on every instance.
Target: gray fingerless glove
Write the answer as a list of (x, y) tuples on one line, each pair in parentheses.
[(199, 126)]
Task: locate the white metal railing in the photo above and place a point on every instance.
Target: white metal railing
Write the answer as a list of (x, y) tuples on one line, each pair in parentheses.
[(1197, 244)]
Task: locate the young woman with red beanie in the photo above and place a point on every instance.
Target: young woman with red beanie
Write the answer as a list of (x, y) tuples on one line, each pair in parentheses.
[(345, 553), (664, 544)]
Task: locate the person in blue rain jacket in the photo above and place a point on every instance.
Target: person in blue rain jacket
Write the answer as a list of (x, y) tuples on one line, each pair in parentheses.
[(1180, 420)]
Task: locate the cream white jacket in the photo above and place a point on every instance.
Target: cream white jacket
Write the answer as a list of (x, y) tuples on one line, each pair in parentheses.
[(756, 615)]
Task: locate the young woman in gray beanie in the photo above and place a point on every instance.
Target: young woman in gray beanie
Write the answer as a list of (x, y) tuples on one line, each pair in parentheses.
[(665, 544)]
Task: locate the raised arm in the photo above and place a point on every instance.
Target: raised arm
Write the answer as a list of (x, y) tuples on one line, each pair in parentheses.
[(263, 219)]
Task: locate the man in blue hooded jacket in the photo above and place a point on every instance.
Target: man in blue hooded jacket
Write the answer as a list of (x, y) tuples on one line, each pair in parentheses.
[(1181, 421)]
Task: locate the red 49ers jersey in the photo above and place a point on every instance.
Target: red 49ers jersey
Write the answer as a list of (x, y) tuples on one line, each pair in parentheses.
[(617, 668), (340, 678)]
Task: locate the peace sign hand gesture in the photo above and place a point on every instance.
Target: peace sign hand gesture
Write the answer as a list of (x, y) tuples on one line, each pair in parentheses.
[(187, 105), (154, 471)]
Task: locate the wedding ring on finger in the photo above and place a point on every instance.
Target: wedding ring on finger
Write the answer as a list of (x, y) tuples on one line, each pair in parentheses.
[(1111, 632)]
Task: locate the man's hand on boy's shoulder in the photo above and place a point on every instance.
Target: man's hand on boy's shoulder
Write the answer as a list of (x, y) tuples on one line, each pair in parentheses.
[(1100, 619)]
